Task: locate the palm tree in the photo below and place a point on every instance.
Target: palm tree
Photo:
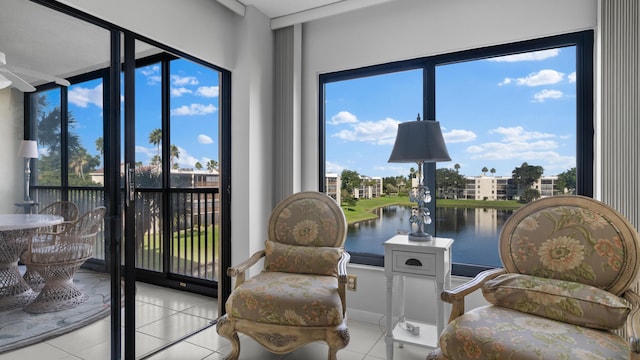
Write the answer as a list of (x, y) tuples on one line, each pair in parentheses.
[(212, 165), (155, 138), (100, 147), (457, 167), (174, 155), (198, 166), (484, 170), (493, 171), (79, 161)]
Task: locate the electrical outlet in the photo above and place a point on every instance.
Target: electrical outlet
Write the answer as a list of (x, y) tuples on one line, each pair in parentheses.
[(352, 282)]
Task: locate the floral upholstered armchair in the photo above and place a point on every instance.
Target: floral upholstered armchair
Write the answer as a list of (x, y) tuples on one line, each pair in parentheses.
[(563, 293), (299, 297)]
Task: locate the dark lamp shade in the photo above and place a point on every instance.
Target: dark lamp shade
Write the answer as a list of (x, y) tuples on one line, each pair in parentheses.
[(419, 142)]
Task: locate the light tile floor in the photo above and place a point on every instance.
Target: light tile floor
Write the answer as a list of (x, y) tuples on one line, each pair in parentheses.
[(163, 315)]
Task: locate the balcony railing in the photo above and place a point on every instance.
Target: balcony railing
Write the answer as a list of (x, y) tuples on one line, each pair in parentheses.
[(179, 239)]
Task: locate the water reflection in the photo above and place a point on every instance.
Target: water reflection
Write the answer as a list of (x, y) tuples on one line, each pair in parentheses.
[(475, 232)]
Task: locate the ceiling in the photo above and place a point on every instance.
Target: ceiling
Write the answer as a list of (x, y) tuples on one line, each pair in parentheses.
[(289, 12), (278, 8), (67, 46), (37, 38)]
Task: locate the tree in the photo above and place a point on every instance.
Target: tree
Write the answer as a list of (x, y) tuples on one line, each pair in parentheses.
[(212, 165), (529, 195), (174, 154), (350, 181), (525, 176), (567, 182), (49, 125), (493, 171), (449, 183), (155, 138), (198, 166), (100, 147), (484, 170), (457, 167)]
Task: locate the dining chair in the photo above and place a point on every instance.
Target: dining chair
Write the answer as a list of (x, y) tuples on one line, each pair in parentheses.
[(56, 256), (69, 212)]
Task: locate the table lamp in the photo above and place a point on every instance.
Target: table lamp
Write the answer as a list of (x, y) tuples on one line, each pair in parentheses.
[(28, 150), (421, 142)]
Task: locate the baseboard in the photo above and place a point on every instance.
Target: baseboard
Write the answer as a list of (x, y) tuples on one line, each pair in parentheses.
[(365, 316)]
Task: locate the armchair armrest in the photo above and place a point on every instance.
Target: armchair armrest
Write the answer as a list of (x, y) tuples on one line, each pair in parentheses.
[(342, 267), (456, 295), (239, 271), (343, 279)]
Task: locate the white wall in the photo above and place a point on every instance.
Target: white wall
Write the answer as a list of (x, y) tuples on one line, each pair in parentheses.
[(407, 29), (11, 126)]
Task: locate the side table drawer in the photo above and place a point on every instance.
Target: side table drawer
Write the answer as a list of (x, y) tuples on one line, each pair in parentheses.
[(414, 263)]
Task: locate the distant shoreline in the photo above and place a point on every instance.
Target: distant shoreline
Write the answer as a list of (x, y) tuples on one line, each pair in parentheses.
[(364, 208)]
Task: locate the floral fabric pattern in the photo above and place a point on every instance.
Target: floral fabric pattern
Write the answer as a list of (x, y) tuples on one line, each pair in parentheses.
[(287, 299), (308, 222), (565, 301), (493, 332), (301, 259), (567, 243)]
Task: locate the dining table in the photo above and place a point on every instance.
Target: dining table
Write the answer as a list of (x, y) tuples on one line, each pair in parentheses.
[(16, 231)]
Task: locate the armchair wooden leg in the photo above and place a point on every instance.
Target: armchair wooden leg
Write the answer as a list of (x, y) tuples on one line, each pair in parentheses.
[(226, 329)]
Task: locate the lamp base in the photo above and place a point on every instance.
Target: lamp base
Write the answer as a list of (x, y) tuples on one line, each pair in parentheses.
[(420, 236)]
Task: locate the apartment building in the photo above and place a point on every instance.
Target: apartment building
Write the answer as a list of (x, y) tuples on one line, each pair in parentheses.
[(502, 187)]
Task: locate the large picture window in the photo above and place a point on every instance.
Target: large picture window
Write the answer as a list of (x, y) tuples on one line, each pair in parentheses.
[(517, 121)]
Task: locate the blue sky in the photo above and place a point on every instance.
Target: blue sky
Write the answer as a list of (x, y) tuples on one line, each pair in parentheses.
[(194, 112), (494, 113)]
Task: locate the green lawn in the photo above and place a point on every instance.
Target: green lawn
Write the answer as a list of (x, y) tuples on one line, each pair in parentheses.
[(364, 207)]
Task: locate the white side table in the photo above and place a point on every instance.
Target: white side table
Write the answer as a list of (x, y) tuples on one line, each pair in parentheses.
[(429, 260)]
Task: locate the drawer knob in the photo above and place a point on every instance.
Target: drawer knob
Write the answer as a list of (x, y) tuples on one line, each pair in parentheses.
[(413, 262)]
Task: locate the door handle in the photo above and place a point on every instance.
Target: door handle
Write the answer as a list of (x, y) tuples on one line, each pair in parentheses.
[(129, 184)]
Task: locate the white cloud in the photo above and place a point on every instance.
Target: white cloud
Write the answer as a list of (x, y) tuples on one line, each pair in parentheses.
[(547, 94), (82, 97), (572, 77), (178, 80), (458, 136), (208, 91), (377, 132), (193, 109), (519, 134), (332, 167), (343, 117), (152, 73), (542, 77), (186, 161), (150, 152), (179, 91), (150, 70), (529, 56), (204, 139), (521, 145), (506, 81)]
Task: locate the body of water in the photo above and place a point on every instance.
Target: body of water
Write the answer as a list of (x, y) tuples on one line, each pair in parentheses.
[(475, 232)]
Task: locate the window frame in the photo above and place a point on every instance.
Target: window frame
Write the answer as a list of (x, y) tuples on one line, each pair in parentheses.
[(585, 130)]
